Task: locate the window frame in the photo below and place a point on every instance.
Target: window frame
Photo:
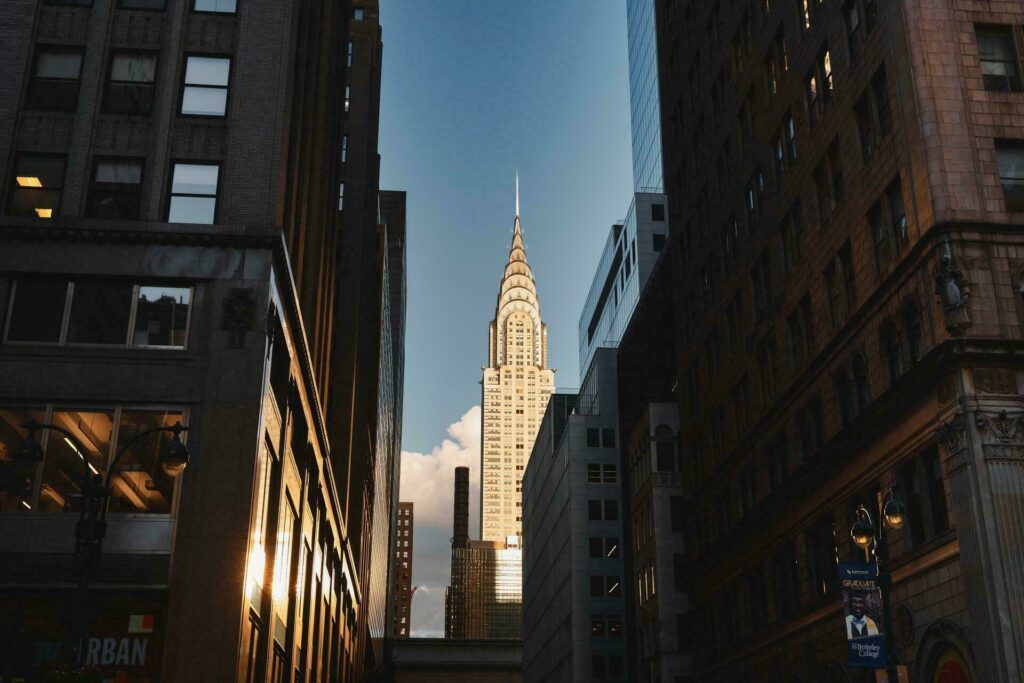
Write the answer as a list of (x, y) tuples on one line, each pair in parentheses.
[(14, 186), (109, 80), (33, 78), (97, 160), (69, 304), (226, 88), (193, 10), (171, 194)]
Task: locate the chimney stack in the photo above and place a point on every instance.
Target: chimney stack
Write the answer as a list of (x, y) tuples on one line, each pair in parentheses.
[(460, 535)]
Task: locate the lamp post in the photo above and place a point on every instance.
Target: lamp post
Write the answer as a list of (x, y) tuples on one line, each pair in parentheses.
[(95, 490), (892, 513)]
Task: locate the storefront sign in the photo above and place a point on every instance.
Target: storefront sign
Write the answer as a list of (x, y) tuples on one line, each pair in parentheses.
[(862, 611)]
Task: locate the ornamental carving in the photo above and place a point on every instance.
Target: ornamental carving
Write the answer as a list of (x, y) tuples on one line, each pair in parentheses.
[(239, 311), (953, 290), (994, 381), (951, 435), (1001, 428)]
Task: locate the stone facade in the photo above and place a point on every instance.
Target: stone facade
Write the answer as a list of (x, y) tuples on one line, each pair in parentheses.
[(846, 271)]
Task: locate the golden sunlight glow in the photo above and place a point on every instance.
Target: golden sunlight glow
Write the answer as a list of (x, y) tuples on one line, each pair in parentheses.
[(257, 563), (29, 181), (44, 213)]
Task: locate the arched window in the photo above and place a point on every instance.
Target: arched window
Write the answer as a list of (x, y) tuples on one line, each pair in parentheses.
[(915, 330), (860, 382), (891, 352), (951, 668), (844, 396)]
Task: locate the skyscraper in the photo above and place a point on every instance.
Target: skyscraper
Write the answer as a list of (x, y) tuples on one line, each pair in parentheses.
[(401, 583), (516, 386), (644, 103)]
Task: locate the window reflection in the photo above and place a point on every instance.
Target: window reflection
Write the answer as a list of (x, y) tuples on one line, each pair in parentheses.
[(12, 433), (64, 465), (161, 316), (99, 313), (38, 310), (139, 483)]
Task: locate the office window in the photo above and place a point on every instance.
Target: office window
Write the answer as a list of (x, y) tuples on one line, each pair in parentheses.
[(100, 312), (116, 190), (892, 353), (790, 128), (865, 128), (657, 242), (880, 90), (594, 508), (38, 182), (658, 212), (998, 58), (862, 388), (596, 548), (597, 626), (348, 54), (914, 326), (358, 13), (161, 316), (37, 310), (593, 437), (921, 482), (608, 438), (822, 557), (852, 18), (193, 193), (130, 85), (594, 473), (206, 86), (216, 6), (1010, 158), (611, 510), (140, 484), (64, 463), (55, 79), (791, 233), (844, 395)]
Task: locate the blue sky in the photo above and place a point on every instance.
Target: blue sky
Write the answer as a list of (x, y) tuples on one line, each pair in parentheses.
[(473, 89)]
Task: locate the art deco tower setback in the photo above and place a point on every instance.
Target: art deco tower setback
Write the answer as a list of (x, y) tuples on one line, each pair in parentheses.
[(516, 386)]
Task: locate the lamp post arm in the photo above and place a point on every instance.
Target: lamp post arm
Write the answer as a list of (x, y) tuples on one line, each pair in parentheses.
[(177, 429)]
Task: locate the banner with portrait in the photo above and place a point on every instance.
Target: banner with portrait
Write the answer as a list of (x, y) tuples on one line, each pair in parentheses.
[(862, 615)]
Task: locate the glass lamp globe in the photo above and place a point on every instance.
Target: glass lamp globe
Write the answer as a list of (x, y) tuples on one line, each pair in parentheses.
[(895, 513), (862, 532), (174, 457)]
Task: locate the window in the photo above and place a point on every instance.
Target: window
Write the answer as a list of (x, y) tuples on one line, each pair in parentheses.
[(98, 312), (865, 128), (791, 233), (844, 395), (1010, 157), (194, 193), (598, 626), (608, 438), (922, 487), (677, 513), (657, 242), (748, 490), (55, 79), (141, 4), (998, 58), (206, 86), (915, 330), (658, 212), (601, 473), (761, 279), (348, 97), (664, 450), (348, 54), (784, 574), (593, 437), (840, 285), (852, 18), (604, 548), (811, 94), (599, 666), (38, 182), (892, 354), (822, 561), (116, 189), (130, 86), (357, 14), (602, 510), (605, 586), (861, 385), (611, 510), (216, 6), (790, 127), (880, 90), (777, 462)]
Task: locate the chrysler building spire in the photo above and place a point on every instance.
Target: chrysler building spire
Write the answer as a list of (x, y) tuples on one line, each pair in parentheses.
[(516, 386)]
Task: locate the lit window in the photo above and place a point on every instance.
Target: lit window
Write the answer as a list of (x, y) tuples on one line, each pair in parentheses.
[(206, 86), (193, 193), (38, 182)]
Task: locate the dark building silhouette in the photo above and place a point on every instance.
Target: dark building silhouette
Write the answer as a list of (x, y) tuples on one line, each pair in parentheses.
[(401, 588), (460, 535), (192, 230), (846, 263)]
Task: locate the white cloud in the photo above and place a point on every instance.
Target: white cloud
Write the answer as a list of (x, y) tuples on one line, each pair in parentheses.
[(428, 480)]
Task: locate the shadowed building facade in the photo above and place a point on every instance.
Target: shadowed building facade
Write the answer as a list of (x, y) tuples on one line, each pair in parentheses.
[(845, 309), (170, 175)]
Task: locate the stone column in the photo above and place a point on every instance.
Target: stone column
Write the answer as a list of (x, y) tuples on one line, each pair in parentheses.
[(983, 446)]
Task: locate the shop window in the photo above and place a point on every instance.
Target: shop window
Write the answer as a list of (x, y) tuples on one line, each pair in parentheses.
[(56, 77), (38, 181), (17, 494)]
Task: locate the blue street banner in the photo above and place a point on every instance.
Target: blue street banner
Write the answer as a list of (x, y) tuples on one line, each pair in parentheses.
[(862, 612)]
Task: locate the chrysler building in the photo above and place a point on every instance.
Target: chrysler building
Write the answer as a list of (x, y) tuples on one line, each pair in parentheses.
[(516, 385)]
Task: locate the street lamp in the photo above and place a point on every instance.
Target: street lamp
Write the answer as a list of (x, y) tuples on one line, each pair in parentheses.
[(95, 492), (892, 513)]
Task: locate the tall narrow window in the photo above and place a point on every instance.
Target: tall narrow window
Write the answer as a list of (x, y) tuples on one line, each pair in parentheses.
[(206, 86), (999, 69), (116, 189), (38, 183), (865, 128), (130, 86), (1010, 157), (790, 125), (880, 88), (914, 325), (892, 353), (348, 54), (852, 17), (193, 193)]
